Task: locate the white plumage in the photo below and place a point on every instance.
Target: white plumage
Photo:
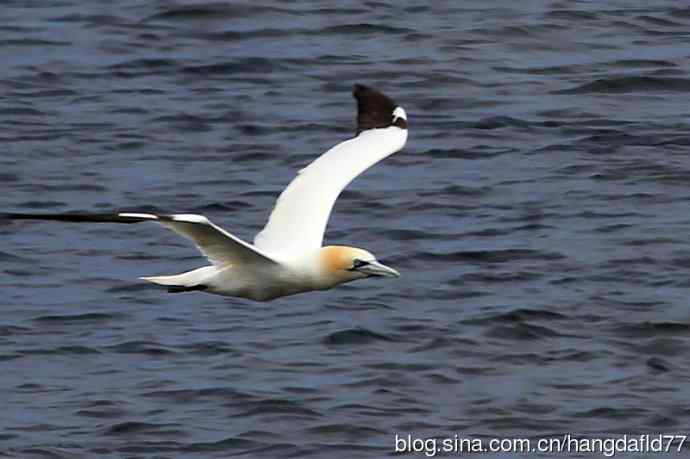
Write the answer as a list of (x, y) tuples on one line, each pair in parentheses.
[(287, 256), (299, 218)]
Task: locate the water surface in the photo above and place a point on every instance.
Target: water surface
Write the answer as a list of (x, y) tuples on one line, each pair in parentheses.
[(538, 215)]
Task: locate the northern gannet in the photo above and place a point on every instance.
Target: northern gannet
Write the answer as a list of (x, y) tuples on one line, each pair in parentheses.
[(287, 256)]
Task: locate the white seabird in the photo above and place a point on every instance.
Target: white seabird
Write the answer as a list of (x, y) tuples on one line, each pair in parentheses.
[(287, 256)]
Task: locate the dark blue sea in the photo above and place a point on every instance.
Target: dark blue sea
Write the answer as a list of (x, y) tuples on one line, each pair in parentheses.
[(539, 215)]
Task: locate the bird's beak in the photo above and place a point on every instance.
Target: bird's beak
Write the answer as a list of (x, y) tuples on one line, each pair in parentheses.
[(374, 268)]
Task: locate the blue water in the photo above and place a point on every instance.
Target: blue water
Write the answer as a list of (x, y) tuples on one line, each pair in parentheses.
[(538, 215)]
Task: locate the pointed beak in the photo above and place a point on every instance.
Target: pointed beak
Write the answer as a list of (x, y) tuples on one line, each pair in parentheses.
[(374, 268)]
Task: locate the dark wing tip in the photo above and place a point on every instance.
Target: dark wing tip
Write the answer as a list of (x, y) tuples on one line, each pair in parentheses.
[(76, 217), (374, 108), (358, 87)]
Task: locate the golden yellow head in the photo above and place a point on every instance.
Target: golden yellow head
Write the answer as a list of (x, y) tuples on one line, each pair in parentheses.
[(344, 264)]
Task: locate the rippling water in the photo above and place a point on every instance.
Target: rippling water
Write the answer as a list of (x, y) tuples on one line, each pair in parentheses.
[(539, 215)]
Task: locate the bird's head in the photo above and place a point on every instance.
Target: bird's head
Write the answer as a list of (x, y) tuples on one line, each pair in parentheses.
[(344, 264)]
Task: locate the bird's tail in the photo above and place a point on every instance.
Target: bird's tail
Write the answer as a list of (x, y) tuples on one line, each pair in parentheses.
[(186, 282)]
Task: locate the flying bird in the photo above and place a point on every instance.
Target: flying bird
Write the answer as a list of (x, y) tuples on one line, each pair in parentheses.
[(287, 256)]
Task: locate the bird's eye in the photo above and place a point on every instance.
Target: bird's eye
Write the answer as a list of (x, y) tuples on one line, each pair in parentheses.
[(357, 263)]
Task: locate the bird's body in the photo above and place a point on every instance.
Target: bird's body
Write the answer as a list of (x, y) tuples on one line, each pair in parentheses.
[(262, 282), (287, 256)]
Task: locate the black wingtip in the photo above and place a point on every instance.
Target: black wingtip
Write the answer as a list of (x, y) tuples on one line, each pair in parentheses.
[(73, 217), (359, 88), (374, 108)]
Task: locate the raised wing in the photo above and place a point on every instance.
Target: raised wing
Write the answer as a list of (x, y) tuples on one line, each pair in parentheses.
[(219, 246), (299, 219)]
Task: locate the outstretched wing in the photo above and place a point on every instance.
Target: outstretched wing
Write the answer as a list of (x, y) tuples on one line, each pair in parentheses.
[(219, 246), (299, 219)]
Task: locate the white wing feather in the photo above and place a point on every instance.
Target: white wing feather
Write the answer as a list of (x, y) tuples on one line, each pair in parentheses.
[(220, 247), (300, 216)]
